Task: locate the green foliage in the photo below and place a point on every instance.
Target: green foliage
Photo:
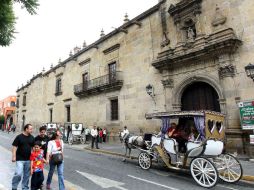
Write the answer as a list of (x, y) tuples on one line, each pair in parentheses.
[(7, 18), (29, 5), (2, 119)]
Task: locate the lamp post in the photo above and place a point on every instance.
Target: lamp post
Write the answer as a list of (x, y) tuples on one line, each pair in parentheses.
[(249, 69), (150, 92)]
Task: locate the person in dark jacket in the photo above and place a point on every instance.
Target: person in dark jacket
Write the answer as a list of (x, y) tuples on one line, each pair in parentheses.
[(43, 138)]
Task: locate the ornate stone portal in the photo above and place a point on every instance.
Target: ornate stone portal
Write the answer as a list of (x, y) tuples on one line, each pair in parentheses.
[(195, 47)]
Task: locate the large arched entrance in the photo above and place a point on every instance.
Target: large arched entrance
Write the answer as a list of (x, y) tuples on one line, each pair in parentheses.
[(200, 96)]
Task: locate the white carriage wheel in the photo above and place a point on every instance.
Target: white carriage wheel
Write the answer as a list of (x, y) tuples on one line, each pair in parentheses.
[(70, 139), (204, 172), (229, 168), (144, 160)]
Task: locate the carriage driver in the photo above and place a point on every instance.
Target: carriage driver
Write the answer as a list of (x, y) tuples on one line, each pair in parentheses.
[(125, 133)]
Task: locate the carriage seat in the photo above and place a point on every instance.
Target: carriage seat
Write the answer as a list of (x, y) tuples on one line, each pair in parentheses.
[(213, 147), (191, 145), (171, 145), (156, 140)]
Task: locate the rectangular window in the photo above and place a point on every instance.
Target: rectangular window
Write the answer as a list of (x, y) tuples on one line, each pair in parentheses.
[(58, 86), (17, 104), (50, 115), (12, 104), (85, 80), (114, 109), (24, 100), (112, 71), (68, 113)]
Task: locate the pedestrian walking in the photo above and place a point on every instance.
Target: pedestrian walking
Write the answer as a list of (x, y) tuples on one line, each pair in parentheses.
[(104, 135), (8, 129), (68, 132), (94, 134), (37, 166), (21, 151), (55, 159), (43, 138), (13, 128), (100, 135)]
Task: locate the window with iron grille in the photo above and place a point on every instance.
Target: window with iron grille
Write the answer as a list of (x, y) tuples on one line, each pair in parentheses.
[(58, 86), (112, 72), (24, 100), (85, 80), (114, 109), (50, 115), (17, 103), (68, 113)]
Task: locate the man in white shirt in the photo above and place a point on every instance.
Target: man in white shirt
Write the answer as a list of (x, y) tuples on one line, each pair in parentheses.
[(87, 133), (94, 134), (125, 133)]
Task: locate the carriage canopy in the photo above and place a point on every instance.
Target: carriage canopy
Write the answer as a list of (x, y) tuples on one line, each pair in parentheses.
[(208, 123)]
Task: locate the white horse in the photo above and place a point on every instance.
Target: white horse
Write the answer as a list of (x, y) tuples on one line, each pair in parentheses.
[(131, 142)]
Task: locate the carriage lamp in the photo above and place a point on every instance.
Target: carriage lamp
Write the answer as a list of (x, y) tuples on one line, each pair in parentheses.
[(249, 69), (150, 92)]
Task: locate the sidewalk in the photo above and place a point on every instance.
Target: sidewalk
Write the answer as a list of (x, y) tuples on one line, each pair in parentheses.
[(7, 169), (118, 149)]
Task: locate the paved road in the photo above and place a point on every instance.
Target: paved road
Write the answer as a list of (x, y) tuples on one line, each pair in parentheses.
[(93, 171)]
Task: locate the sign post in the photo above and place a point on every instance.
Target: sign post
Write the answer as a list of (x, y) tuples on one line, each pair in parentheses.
[(247, 115)]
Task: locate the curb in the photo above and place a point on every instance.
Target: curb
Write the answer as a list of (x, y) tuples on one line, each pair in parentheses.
[(105, 152), (245, 178), (248, 178)]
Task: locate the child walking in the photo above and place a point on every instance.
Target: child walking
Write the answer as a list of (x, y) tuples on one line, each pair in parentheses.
[(37, 165)]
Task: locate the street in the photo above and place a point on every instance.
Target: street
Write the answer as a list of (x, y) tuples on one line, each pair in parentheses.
[(88, 170)]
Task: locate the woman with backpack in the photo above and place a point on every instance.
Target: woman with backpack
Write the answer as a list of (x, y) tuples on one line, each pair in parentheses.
[(55, 158)]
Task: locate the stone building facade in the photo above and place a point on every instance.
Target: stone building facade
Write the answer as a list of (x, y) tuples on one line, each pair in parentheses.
[(192, 52)]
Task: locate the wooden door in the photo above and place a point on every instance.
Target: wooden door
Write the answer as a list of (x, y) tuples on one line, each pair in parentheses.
[(200, 96)]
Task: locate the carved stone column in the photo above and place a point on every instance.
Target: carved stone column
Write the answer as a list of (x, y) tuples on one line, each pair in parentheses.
[(226, 73), (168, 84)]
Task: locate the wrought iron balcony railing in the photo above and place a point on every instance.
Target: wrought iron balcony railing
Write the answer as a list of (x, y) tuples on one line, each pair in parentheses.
[(109, 82)]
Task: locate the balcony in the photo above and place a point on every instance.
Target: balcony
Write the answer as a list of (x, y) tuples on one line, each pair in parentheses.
[(109, 82)]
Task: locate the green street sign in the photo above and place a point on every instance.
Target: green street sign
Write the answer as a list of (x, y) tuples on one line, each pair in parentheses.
[(247, 115)]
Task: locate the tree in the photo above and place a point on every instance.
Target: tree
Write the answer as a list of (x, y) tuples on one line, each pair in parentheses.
[(8, 19), (1, 119)]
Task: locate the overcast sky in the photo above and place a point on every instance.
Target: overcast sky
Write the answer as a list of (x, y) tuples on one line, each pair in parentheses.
[(59, 26)]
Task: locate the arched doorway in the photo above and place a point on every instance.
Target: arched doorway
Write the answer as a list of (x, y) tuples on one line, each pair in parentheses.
[(200, 96)]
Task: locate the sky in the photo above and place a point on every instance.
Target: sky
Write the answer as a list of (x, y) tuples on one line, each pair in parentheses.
[(58, 27)]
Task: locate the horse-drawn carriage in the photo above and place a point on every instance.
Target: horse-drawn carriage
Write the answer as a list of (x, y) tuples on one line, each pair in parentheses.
[(74, 132), (50, 129), (205, 156)]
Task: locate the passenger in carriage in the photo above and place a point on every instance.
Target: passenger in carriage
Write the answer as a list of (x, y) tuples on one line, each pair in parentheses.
[(193, 134), (181, 135), (172, 129)]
